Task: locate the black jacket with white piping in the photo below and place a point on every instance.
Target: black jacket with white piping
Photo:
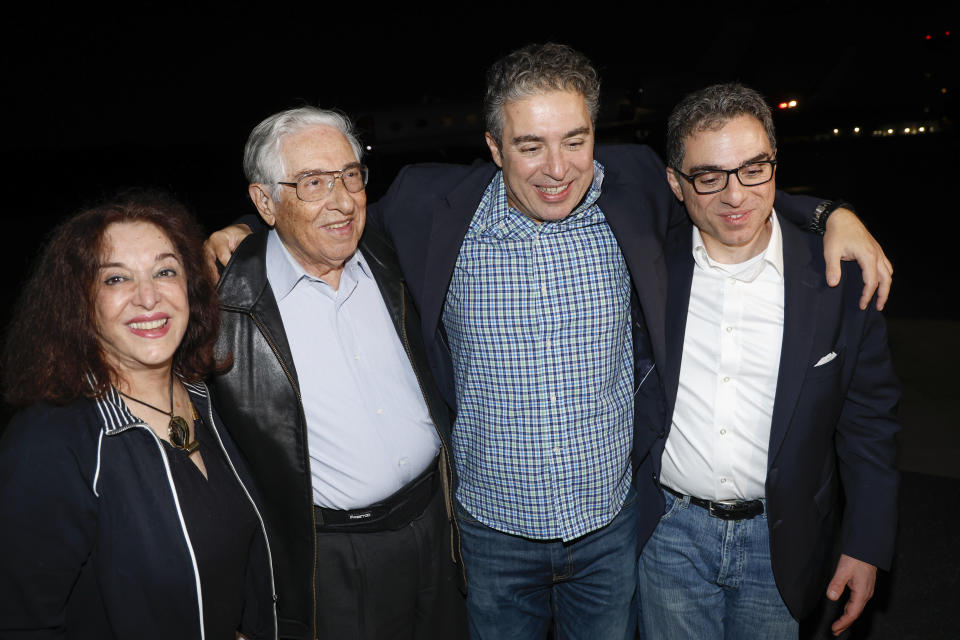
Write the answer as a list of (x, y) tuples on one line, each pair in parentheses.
[(94, 543)]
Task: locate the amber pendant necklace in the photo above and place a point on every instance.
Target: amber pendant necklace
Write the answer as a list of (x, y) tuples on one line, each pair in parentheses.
[(177, 429)]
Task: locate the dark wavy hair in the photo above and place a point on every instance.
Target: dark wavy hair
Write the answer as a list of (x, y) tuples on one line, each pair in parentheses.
[(52, 351)]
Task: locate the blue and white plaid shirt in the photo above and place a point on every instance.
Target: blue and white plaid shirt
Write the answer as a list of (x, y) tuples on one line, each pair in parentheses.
[(538, 320)]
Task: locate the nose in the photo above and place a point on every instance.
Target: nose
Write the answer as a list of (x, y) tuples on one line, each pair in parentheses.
[(735, 193), (340, 199), (555, 164), (147, 294)]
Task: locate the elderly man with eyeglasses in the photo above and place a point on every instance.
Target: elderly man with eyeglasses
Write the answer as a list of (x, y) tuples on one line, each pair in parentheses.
[(331, 399), (780, 397)]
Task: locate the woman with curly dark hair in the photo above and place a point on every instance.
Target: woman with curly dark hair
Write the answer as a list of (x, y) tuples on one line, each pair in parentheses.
[(127, 510)]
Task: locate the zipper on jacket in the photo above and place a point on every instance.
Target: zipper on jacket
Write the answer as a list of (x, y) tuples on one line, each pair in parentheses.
[(313, 517), (445, 472), (263, 527)]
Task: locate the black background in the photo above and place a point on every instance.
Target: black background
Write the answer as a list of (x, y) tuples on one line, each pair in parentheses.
[(96, 99)]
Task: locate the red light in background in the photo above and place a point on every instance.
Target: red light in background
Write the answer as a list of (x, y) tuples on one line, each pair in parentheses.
[(782, 105), (946, 33), (928, 37)]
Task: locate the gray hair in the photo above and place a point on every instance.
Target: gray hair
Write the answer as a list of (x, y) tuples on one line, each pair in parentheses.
[(262, 161), (535, 69), (711, 108)]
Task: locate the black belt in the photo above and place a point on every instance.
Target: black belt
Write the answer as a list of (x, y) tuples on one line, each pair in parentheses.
[(737, 510), (395, 512)]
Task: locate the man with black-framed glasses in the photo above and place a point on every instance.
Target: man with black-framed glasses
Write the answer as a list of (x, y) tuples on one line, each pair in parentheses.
[(780, 395)]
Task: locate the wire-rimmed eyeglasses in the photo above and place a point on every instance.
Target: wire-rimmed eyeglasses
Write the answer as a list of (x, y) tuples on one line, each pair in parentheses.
[(317, 185)]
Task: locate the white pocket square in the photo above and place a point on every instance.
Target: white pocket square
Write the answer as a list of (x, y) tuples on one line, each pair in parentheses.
[(825, 359)]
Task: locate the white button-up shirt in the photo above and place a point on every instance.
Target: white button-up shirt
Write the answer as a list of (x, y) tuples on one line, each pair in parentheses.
[(717, 447)]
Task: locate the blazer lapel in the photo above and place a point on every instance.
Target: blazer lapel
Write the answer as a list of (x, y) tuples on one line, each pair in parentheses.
[(450, 220), (680, 266), (801, 290), (631, 222)]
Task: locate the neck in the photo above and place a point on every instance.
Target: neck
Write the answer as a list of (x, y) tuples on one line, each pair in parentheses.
[(152, 385)]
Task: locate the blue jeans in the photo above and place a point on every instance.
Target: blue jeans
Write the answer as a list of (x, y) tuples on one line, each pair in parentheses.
[(517, 586), (706, 578)]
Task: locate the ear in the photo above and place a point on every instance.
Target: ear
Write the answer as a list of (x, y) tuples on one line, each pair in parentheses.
[(263, 202), (674, 182), (495, 152)]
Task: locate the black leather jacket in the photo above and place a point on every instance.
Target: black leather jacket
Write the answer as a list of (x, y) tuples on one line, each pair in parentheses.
[(260, 401)]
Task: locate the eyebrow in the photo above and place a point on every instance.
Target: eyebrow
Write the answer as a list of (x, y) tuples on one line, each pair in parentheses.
[(579, 131), (160, 258), (763, 155), (311, 172)]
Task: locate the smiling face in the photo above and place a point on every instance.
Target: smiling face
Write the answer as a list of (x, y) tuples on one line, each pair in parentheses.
[(732, 222), (320, 235), (141, 306), (546, 154)]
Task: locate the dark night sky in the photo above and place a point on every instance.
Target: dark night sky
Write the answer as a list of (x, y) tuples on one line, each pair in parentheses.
[(153, 95)]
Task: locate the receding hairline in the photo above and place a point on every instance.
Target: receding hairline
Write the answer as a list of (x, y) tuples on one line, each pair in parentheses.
[(283, 140)]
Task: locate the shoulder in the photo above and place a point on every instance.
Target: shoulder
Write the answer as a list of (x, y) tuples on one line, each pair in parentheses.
[(629, 157), (801, 247), (435, 179), (245, 275), (45, 435)]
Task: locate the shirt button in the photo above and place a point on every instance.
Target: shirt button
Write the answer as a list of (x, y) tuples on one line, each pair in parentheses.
[(556, 450), (723, 480), (732, 281), (729, 329), (543, 289), (726, 378), (502, 226), (547, 343), (356, 357), (553, 397), (379, 411), (723, 432)]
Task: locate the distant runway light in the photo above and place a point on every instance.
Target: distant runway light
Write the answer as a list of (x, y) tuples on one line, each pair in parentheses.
[(836, 131), (369, 148), (929, 37), (856, 129), (782, 105), (890, 131), (921, 129), (792, 104)]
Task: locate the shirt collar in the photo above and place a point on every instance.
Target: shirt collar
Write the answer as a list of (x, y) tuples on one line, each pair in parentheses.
[(497, 218), (284, 272), (745, 271), (116, 415)]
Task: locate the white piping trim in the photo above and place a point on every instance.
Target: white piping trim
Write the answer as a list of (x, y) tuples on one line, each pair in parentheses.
[(96, 473), (183, 526), (645, 376), (263, 527)]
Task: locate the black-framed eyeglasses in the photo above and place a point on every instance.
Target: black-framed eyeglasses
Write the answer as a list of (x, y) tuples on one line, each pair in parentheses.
[(715, 181), (317, 185)]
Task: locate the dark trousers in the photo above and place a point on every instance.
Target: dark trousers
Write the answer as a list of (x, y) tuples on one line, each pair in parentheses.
[(390, 584)]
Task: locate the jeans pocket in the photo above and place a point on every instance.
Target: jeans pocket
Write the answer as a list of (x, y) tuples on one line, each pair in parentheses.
[(671, 506)]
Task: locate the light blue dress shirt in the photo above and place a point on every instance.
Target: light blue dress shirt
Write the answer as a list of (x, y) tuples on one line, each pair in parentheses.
[(368, 428)]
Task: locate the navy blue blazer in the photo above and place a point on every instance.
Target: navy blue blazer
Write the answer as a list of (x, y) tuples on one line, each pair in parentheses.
[(831, 481), (428, 209)]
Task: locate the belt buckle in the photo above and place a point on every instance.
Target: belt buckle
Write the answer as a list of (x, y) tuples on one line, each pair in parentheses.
[(720, 510)]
